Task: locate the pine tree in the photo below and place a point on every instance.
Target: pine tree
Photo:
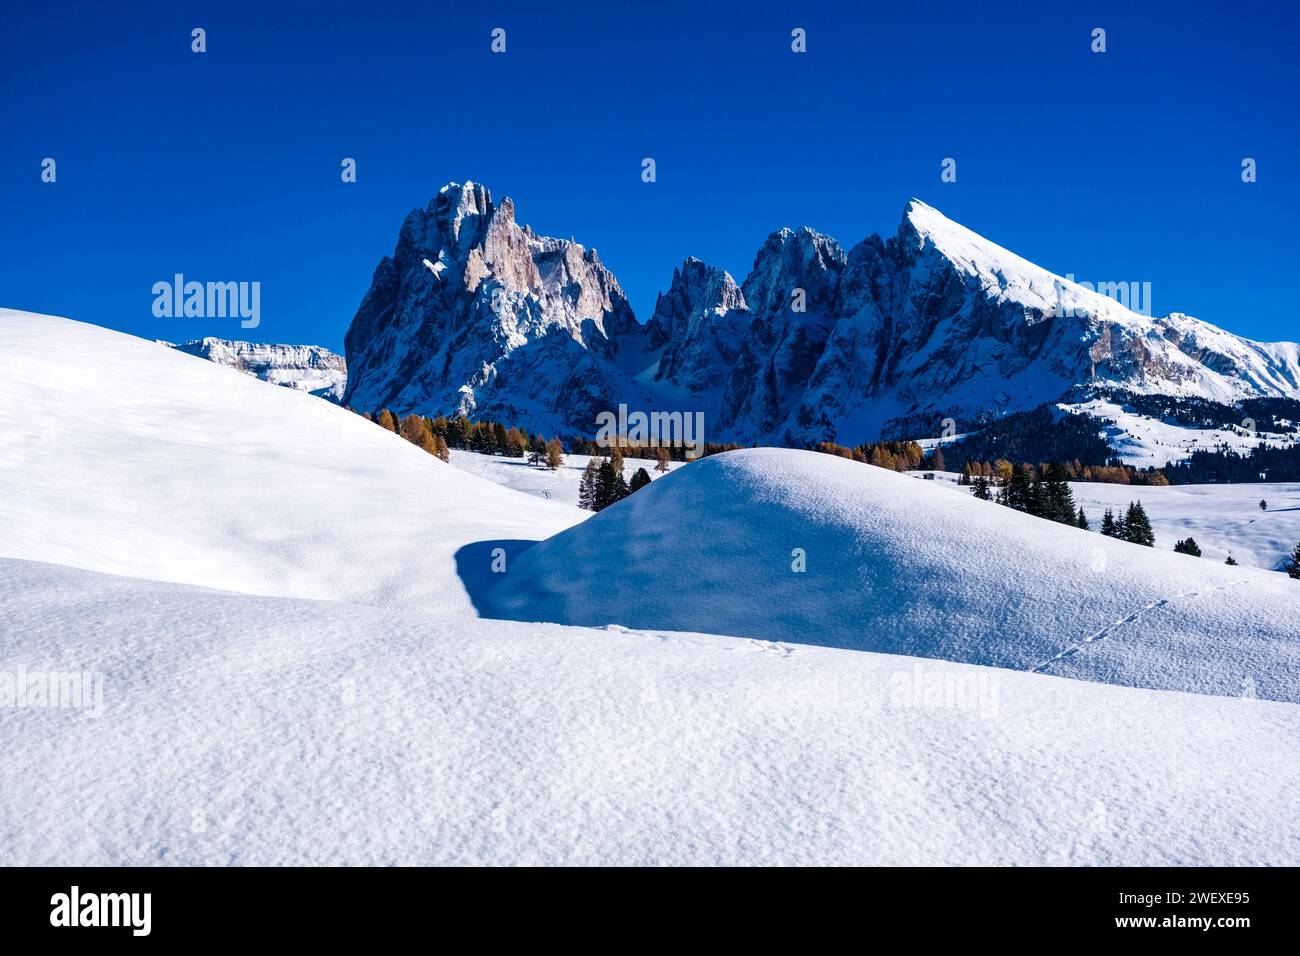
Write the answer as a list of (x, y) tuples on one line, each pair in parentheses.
[(640, 478), (981, 486), (554, 454), (1137, 528), (1188, 546), (1109, 526), (610, 487), (1082, 521), (588, 485), (1019, 489), (537, 450), (1293, 563), (1056, 499)]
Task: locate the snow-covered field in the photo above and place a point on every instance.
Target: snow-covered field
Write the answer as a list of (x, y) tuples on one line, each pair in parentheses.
[(282, 603), (560, 485), (1221, 518), (1150, 443)]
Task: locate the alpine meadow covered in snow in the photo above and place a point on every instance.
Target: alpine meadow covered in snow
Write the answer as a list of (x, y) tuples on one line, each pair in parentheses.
[(318, 643), (910, 480)]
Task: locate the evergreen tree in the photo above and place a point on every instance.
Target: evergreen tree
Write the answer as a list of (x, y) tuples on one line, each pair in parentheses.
[(1057, 501), (1188, 546), (502, 439), (1019, 493), (1082, 521), (981, 486), (1137, 528), (640, 478), (537, 450), (1109, 526), (554, 454), (1293, 563), (610, 486), (588, 484)]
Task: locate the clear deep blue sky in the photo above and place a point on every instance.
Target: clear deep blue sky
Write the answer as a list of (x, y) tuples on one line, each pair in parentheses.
[(225, 165)]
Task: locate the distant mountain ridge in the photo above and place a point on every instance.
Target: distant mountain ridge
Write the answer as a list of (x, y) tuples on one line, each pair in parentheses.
[(309, 368), (476, 315)]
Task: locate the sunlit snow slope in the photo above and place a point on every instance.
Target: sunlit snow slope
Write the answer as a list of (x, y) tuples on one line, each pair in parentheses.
[(125, 456), (893, 566)]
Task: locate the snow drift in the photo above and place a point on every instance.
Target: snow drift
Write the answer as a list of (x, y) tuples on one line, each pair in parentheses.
[(125, 456), (250, 730), (892, 566)]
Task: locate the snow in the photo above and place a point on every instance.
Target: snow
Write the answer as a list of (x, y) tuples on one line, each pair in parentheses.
[(310, 368), (279, 599), (1221, 518), (891, 566), (127, 457), (560, 485), (1147, 442), (260, 731)]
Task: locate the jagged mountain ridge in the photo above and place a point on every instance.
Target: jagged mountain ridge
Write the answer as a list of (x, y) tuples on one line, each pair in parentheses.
[(308, 368), (476, 315)]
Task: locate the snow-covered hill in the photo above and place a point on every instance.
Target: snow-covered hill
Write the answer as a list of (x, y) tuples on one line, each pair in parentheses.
[(124, 456), (278, 601), (310, 368), (474, 314), (892, 565), (252, 730)]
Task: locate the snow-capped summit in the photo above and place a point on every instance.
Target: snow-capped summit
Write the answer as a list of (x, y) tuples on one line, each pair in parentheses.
[(476, 315)]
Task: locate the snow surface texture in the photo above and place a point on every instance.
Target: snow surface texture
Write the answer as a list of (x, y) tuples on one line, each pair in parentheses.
[(893, 566), (390, 725), (123, 456), (251, 730)]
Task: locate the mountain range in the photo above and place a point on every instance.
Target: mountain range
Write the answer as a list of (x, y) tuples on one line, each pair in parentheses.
[(476, 315)]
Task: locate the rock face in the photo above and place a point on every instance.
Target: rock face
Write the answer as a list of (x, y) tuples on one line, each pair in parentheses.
[(308, 368), (476, 315)]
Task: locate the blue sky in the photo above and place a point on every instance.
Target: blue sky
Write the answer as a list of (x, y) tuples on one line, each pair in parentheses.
[(225, 165)]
